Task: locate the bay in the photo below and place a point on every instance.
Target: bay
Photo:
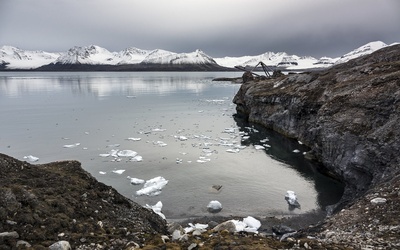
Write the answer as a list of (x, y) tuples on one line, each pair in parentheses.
[(182, 124)]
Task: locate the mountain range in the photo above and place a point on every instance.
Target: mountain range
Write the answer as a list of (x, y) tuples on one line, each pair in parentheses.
[(97, 58)]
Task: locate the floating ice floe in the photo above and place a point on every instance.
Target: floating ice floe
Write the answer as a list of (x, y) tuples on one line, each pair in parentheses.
[(160, 143), (120, 171), (203, 159), (101, 172), (153, 186), (248, 224), (31, 158), (158, 130), (72, 145), (258, 147), (137, 158), (157, 209), (133, 139), (232, 150), (296, 151), (182, 138), (135, 181), (133, 155), (214, 207), (113, 145), (291, 198), (264, 140), (127, 153)]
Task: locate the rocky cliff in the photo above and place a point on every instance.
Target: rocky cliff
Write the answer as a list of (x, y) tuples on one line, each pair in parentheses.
[(349, 115)]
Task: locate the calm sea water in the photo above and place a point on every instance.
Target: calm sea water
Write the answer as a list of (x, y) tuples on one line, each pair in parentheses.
[(188, 135)]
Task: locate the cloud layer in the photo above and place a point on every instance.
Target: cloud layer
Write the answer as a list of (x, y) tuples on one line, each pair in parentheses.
[(218, 27)]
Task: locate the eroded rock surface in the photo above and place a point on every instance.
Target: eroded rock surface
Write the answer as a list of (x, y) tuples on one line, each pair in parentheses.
[(349, 115), (59, 201)]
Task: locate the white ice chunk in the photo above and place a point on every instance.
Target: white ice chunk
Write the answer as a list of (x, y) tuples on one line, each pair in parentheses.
[(160, 143), (251, 222), (120, 171), (296, 151), (72, 145), (134, 139), (258, 147), (158, 130), (137, 158), (153, 186), (231, 150), (101, 172), (127, 153), (291, 198), (31, 158), (157, 209), (214, 207), (113, 145), (104, 155), (195, 227), (135, 181), (182, 138)]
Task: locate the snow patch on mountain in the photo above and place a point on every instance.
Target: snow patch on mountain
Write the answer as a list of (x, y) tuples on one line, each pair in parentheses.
[(167, 57), (132, 55), (16, 58), (87, 55), (361, 51)]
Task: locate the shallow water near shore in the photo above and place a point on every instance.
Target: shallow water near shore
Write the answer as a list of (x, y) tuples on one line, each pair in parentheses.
[(183, 126)]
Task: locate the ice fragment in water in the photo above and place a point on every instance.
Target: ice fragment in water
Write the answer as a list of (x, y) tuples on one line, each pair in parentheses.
[(126, 153), (120, 171), (231, 150), (291, 198), (133, 139), (72, 145), (258, 147), (214, 207), (137, 158), (153, 186), (135, 181), (296, 151), (101, 172), (158, 130), (31, 158)]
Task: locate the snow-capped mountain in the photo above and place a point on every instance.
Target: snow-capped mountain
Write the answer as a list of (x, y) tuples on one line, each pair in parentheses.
[(15, 58), (361, 51), (87, 55), (166, 57), (132, 55)]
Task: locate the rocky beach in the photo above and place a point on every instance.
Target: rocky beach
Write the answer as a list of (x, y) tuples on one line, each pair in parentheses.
[(348, 115)]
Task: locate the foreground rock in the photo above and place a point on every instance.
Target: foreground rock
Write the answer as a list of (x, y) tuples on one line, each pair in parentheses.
[(45, 204), (349, 115)]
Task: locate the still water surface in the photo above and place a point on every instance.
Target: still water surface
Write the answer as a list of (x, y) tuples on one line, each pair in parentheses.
[(185, 123)]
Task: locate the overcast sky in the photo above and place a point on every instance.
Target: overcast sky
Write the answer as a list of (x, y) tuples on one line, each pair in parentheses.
[(218, 27)]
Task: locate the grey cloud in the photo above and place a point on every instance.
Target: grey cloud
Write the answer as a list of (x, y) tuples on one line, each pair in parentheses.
[(220, 28)]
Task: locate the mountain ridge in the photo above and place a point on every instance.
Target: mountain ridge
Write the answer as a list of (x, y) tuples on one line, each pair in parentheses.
[(94, 57)]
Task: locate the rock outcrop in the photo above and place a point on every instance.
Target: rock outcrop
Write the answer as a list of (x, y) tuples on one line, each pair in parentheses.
[(349, 115), (60, 202)]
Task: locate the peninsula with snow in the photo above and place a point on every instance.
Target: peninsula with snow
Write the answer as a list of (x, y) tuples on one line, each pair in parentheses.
[(96, 58)]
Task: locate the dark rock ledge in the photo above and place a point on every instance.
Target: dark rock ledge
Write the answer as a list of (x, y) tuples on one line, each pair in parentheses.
[(349, 115)]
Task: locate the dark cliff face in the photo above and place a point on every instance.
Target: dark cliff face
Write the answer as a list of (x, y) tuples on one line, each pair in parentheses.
[(349, 115)]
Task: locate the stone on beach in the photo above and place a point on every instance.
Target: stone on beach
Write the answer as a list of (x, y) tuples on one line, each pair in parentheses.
[(291, 198)]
